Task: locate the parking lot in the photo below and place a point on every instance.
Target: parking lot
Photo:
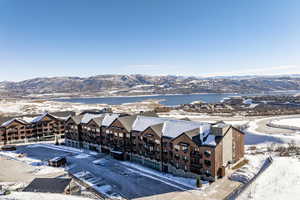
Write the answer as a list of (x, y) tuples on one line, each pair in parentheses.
[(106, 174)]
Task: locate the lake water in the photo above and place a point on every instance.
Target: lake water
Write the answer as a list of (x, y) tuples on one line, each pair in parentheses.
[(169, 100)]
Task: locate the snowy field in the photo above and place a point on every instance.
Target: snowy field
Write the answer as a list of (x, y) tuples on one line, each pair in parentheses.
[(27, 107), (295, 122), (280, 181)]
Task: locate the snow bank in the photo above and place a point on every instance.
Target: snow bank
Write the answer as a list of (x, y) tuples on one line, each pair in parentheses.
[(248, 171), (82, 155), (101, 161), (15, 156), (188, 182)]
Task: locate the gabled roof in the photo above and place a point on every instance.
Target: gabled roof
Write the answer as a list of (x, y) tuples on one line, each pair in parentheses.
[(97, 120), (157, 128), (7, 123), (109, 118), (143, 122), (87, 117), (174, 128), (41, 117), (76, 119), (127, 121)]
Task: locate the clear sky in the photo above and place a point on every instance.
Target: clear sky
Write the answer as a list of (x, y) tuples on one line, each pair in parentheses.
[(40, 38)]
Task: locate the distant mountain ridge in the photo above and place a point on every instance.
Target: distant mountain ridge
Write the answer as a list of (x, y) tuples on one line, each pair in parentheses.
[(114, 85)]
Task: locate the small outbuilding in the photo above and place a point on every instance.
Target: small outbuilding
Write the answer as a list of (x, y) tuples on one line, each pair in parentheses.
[(57, 162)]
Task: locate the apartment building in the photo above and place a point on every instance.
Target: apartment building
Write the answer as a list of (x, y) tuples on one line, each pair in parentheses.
[(180, 147), (42, 127)]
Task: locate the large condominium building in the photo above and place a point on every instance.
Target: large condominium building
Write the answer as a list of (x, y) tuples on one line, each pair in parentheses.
[(180, 147), (43, 127)]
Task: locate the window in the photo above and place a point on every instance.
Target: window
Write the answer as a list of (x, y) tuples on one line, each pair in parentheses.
[(184, 148), (207, 163), (207, 173), (207, 153), (121, 135), (176, 147)]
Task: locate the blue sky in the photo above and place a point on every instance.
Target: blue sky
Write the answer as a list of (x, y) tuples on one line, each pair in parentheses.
[(41, 38)]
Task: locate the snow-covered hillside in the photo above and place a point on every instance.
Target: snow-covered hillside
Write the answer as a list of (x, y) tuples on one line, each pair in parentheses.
[(280, 181)]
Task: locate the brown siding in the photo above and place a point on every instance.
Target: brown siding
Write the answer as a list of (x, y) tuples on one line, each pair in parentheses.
[(148, 144), (238, 144)]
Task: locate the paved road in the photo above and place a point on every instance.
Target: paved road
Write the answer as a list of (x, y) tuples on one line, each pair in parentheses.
[(123, 179)]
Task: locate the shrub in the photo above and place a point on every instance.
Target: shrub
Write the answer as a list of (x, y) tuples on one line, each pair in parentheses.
[(198, 182)]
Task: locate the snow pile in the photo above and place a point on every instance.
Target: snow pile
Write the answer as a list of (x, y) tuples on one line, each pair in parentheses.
[(101, 161), (188, 182), (280, 181), (248, 171), (19, 157), (82, 156), (44, 170), (13, 186)]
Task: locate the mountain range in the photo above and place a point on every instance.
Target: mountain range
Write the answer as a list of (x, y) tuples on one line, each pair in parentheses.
[(118, 85)]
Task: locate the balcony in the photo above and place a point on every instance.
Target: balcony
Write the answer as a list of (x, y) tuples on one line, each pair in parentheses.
[(196, 154)]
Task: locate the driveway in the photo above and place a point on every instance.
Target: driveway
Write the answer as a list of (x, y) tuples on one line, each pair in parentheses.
[(128, 182)]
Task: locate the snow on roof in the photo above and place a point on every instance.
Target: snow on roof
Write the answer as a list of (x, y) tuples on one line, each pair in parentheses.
[(143, 122), (174, 128), (8, 122), (87, 117), (28, 119), (109, 118), (220, 125), (55, 159), (210, 140), (11, 120), (39, 118)]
